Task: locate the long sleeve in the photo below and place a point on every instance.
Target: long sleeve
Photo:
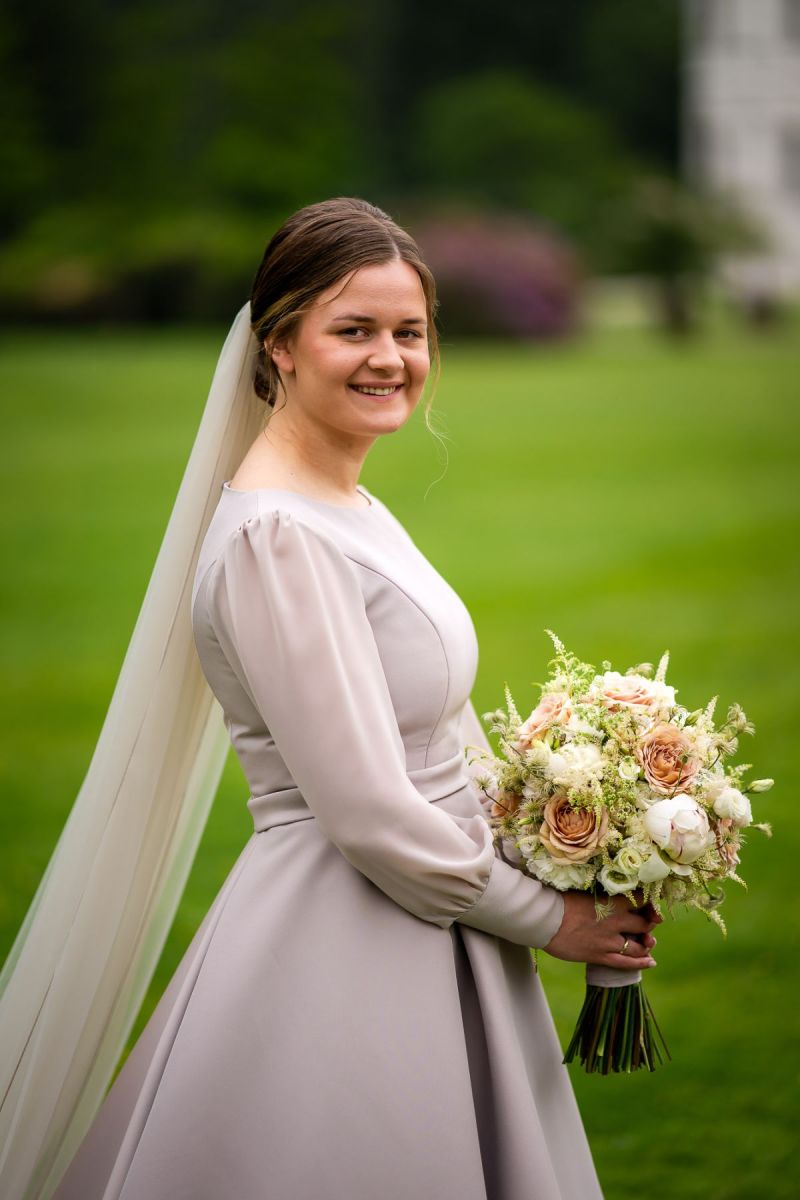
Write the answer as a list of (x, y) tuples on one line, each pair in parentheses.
[(293, 623)]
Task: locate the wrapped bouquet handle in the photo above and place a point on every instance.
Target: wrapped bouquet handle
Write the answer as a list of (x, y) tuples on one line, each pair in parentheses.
[(616, 1029)]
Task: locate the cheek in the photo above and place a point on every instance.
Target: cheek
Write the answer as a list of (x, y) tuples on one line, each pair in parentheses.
[(420, 364)]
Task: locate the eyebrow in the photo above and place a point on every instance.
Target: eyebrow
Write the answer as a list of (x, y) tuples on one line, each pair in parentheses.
[(371, 320)]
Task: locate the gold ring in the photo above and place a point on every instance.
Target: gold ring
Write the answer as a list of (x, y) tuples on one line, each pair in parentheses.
[(624, 946)]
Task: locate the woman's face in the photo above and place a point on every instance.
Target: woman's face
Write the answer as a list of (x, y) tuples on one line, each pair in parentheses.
[(370, 332)]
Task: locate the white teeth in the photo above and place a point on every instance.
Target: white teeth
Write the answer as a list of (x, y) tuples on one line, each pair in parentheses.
[(374, 391)]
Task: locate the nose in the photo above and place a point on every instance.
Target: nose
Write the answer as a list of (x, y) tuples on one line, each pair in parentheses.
[(384, 354)]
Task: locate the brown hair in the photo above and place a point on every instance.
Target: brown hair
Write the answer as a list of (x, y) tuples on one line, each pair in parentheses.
[(313, 249)]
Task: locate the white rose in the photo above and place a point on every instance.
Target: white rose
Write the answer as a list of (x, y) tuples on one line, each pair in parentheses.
[(735, 806), (564, 876), (679, 827), (628, 769)]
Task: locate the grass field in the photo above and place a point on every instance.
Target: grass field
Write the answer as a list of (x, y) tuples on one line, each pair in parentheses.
[(630, 495)]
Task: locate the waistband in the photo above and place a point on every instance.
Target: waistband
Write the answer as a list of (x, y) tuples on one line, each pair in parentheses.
[(434, 782)]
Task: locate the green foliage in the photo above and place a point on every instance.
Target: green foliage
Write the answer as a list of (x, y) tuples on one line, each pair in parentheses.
[(499, 137), (145, 145)]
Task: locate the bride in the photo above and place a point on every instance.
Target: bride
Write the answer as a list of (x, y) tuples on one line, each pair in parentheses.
[(358, 1014)]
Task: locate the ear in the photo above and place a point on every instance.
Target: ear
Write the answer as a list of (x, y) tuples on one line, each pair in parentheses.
[(281, 355)]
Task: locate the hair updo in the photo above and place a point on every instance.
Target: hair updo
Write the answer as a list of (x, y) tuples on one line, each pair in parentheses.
[(313, 249)]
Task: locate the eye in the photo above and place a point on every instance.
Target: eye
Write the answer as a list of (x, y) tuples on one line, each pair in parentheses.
[(413, 332), (352, 329)]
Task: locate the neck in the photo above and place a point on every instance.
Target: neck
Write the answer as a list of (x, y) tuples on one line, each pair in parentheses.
[(312, 459)]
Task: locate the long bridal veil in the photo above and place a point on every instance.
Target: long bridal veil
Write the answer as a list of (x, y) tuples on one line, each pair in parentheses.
[(78, 971)]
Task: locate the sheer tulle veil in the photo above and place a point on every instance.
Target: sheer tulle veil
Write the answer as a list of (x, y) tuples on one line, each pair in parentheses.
[(77, 973)]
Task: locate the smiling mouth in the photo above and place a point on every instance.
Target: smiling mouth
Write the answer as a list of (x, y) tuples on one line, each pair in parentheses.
[(375, 390)]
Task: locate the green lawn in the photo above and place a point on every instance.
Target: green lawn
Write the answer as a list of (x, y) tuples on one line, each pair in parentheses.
[(628, 494)]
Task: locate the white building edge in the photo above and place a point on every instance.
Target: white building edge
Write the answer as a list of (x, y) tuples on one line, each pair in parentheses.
[(741, 128)]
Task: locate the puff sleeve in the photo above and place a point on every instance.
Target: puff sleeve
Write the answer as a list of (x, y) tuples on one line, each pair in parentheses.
[(290, 616)]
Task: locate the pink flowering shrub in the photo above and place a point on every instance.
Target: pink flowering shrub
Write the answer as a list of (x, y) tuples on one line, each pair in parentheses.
[(502, 276)]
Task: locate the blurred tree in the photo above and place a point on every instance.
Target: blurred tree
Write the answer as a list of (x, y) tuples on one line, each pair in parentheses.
[(24, 162), (675, 237), (148, 148), (619, 60), (497, 138), (178, 152)]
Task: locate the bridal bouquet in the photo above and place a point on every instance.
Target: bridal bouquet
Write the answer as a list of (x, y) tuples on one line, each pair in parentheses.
[(610, 786)]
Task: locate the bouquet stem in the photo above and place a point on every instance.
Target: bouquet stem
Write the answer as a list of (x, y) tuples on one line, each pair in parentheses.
[(617, 1031)]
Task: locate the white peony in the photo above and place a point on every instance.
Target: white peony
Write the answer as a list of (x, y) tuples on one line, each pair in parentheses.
[(564, 876), (735, 806), (679, 827)]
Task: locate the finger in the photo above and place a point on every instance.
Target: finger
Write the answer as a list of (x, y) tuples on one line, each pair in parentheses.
[(647, 940), (633, 947), (644, 939), (626, 961), (631, 955)]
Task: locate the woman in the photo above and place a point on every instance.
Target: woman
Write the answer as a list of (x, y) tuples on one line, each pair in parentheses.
[(359, 1014)]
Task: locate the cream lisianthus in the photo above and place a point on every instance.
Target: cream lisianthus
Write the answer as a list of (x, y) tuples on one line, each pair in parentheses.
[(565, 876)]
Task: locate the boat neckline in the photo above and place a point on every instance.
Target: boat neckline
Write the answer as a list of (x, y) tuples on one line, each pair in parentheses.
[(311, 499)]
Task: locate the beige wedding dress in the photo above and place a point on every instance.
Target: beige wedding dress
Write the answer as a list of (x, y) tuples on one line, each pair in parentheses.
[(358, 1017)]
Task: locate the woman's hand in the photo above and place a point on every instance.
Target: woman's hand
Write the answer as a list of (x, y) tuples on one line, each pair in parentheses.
[(582, 937)]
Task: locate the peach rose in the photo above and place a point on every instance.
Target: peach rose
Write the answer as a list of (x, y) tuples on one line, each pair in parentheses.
[(728, 843), (572, 835), (554, 708), (504, 803), (667, 762), (633, 692)]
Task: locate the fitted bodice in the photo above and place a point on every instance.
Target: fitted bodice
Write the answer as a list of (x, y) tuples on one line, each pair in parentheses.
[(423, 633)]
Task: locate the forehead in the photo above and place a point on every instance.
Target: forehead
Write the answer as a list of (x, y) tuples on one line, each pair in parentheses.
[(381, 288)]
